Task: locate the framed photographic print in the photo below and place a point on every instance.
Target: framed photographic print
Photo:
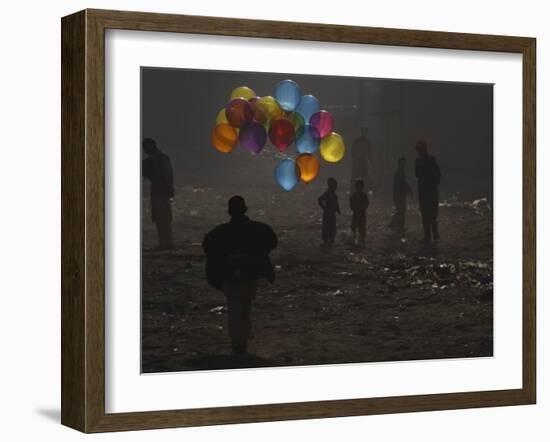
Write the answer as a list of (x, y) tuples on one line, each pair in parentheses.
[(268, 220)]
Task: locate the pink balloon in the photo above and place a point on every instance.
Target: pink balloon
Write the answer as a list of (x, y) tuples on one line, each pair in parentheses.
[(322, 121)]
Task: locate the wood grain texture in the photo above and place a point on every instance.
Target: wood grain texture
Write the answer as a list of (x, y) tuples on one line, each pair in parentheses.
[(308, 410), (73, 129), (529, 221), (83, 220), (95, 222), (143, 21)]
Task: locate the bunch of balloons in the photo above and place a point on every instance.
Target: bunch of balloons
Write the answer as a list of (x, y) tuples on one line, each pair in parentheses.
[(285, 119)]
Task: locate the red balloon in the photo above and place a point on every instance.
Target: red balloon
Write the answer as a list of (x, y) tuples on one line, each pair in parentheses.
[(239, 112), (281, 133)]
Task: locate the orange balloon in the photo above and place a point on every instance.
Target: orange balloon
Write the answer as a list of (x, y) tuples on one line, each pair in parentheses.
[(224, 137), (309, 167)]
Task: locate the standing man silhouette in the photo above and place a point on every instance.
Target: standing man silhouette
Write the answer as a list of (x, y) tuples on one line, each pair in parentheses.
[(156, 168), (237, 256), (428, 174)]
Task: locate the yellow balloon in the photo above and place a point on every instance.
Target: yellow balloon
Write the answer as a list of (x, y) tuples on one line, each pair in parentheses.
[(270, 107), (332, 148), (224, 137), (260, 113), (242, 92), (221, 118)]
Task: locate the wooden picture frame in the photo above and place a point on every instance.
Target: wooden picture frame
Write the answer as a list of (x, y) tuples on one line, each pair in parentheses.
[(83, 219)]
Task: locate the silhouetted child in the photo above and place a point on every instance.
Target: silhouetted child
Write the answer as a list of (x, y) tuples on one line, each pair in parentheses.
[(358, 203), (329, 203), (401, 190)]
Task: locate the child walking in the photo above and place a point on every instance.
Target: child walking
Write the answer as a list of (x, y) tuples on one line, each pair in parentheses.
[(329, 203), (358, 203)]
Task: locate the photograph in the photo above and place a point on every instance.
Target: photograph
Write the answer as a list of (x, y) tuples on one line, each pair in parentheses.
[(298, 220)]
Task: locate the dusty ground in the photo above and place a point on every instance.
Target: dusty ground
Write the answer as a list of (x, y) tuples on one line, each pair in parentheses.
[(396, 300)]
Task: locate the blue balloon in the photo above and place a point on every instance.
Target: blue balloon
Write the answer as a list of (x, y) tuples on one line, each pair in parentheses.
[(288, 94), (307, 139), (308, 106), (286, 174)]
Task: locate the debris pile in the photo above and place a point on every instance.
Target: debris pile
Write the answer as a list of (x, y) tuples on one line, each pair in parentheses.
[(480, 205), (427, 274)]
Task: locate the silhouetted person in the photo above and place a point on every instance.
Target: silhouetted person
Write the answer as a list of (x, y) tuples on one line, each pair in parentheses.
[(329, 203), (237, 255), (361, 160), (428, 174), (401, 190), (358, 203), (158, 170)]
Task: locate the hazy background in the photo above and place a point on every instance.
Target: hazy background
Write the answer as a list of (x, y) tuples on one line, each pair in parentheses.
[(179, 109)]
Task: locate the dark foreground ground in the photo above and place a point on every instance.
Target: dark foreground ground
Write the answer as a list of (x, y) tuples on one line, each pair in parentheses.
[(396, 300)]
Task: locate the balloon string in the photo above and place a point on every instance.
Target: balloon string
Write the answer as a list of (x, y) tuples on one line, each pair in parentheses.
[(283, 156)]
